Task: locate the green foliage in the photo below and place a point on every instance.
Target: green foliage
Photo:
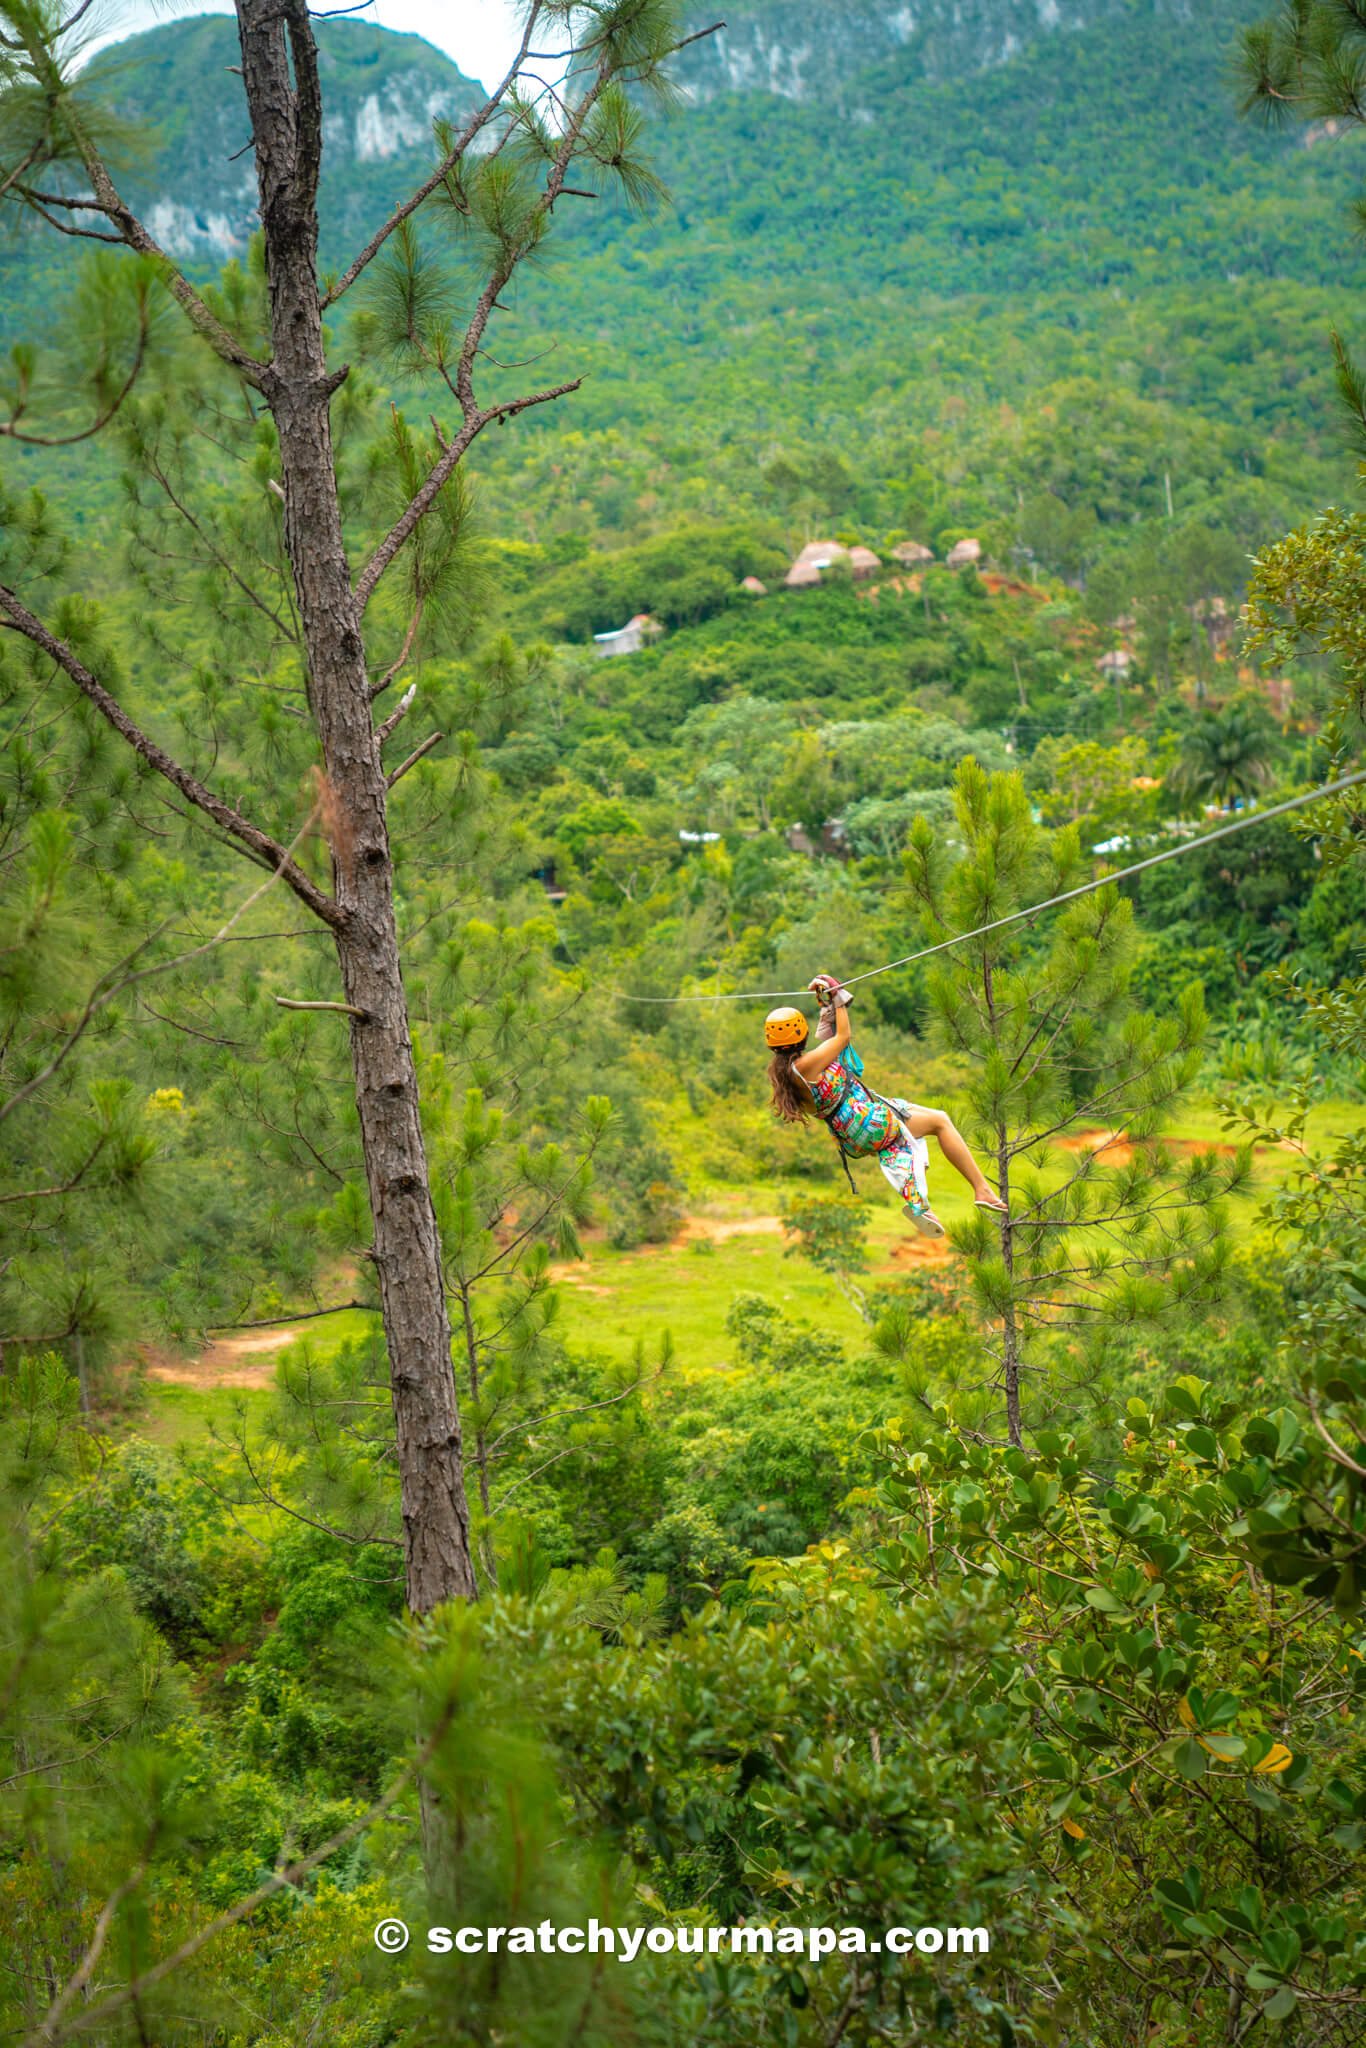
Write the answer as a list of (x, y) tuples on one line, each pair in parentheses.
[(1318, 1535), (849, 1795), (738, 1657), (1181, 1716), (830, 1230)]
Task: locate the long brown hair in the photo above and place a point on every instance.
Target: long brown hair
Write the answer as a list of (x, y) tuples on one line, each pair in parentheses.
[(791, 1101)]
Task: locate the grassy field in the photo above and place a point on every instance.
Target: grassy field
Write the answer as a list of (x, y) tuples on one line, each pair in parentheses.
[(610, 1301)]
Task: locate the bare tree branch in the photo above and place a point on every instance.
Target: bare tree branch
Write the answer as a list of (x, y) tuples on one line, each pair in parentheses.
[(344, 1009), (76, 1984), (378, 689), (324, 1528), (400, 710), (67, 1186), (304, 1315), (72, 19), (105, 991), (433, 739), (223, 561), (25, 163)]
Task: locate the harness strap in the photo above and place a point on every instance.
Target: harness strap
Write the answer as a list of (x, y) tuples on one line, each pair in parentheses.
[(844, 1158)]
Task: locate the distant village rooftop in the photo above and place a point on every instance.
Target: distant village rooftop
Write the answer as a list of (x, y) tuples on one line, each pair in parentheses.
[(818, 556), (815, 558)]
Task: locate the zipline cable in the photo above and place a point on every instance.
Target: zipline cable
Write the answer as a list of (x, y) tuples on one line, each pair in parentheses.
[(765, 995)]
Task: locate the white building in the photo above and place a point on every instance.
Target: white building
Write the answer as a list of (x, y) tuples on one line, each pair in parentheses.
[(630, 638)]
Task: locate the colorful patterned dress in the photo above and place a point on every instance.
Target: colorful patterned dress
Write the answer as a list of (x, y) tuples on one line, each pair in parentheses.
[(870, 1126)]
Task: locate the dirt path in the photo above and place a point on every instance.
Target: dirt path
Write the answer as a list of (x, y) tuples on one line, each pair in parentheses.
[(712, 1230), (247, 1360)]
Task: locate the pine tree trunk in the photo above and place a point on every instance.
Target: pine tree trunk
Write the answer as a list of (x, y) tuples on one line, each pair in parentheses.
[(1010, 1329), (280, 77), (481, 1451)]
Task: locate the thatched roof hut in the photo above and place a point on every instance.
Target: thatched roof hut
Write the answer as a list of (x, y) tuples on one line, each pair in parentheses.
[(965, 554), (912, 554), (823, 553), (863, 562)]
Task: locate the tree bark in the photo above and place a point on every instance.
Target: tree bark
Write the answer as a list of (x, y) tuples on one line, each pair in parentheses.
[(279, 72), (1010, 1329)]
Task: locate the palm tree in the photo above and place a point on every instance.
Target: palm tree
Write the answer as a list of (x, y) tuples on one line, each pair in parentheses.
[(1227, 753)]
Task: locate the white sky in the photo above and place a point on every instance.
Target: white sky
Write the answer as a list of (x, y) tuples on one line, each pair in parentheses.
[(480, 35)]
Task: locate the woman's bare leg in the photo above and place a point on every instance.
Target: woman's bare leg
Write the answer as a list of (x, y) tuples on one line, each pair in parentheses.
[(937, 1124)]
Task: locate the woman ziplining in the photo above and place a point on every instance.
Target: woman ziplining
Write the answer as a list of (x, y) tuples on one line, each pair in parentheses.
[(826, 1081)]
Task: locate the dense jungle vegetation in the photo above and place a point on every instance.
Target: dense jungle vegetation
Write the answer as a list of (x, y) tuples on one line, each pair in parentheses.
[(825, 1575)]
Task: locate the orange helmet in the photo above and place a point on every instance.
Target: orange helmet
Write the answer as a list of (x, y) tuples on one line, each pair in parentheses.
[(785, 1027)]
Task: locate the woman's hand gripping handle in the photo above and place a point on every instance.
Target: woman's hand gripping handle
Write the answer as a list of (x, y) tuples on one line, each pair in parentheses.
[(832, 999)]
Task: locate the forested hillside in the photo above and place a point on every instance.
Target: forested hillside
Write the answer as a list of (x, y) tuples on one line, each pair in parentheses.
[(495, 596), (979, 253)]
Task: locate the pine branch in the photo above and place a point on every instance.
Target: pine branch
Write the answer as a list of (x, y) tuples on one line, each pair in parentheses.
[(249, 837), (13, 433), (1351, 389), (439, 476), (47, 75), (457, 150)]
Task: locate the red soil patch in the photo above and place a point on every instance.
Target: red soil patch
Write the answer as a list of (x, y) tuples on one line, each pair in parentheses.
[(915, 1250), (695, 1230), (1010, 586), (1116, 1150)]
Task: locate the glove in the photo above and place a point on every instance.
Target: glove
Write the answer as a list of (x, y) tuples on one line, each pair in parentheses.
[(827, 989)]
